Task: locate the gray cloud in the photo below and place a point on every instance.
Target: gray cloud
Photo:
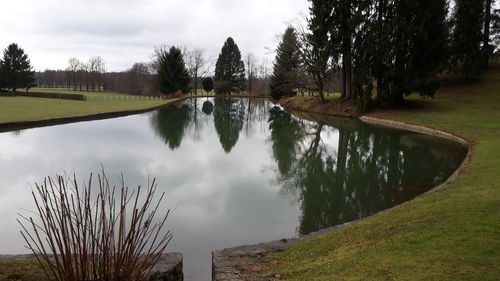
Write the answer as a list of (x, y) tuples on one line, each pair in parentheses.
[(126, 31)]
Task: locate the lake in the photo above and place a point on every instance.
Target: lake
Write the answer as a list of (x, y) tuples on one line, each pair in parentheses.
[(235, 171)]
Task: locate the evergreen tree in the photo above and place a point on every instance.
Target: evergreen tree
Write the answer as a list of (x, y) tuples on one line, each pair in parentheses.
[(487, 48), (2, 76), (208, 84), (350, 18), (467, 36), (285, 76), (229, 69), (172, 74), (365, 52), (495, 30), (420, 33), (429, 50), (411, 47), (317, 47), (15, 68)]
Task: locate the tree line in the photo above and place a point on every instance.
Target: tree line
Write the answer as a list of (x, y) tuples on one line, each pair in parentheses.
[(147, 78), (389, 47), (374, 52), (86, 76)]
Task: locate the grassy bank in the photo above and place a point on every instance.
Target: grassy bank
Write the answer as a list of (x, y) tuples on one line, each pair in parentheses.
[(23, 270), (452, 234), (13, 109)]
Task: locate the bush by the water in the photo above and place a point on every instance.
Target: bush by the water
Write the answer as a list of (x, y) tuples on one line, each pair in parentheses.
[(90, 234)]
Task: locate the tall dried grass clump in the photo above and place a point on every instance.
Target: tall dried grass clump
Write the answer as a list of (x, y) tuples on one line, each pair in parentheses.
[(104, 234)]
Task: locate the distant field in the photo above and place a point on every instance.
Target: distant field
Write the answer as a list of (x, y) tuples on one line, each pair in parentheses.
[(14, 109)]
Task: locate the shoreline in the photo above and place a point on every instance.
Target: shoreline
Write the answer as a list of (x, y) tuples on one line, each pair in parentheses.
[(30, 124), (227, 263), (22, 125)]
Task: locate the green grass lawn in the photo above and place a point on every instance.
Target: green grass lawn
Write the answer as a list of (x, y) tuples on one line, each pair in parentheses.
[(451, 234), (23, 270), (26, 108)]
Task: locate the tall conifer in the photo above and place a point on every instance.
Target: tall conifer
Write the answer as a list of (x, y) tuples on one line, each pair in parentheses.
[(229, 69), (285, 75), (15, 69), (467, 36), (172, 73)]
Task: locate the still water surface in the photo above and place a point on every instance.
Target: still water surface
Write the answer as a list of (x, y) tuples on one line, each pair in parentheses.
[(234, 171)]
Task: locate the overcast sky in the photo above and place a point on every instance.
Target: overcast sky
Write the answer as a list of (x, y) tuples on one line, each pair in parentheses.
[(126, 31)]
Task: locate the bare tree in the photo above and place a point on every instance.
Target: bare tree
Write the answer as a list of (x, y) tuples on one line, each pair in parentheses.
[(92, 67), (83, 75), (262, 73), (251, 63), (100, 70), (73, 68), (197, 65)]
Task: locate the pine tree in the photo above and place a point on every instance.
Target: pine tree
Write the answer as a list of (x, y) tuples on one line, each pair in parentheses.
[(467, 37), (229, 69), (172, 74), (2, 76), (429, 50), (285, 76), (411, 48), (15, 69), (349, 19), (487, 48), (495, 30), (317, 47)]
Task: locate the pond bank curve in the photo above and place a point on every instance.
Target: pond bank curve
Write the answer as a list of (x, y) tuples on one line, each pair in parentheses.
[(234, 264)]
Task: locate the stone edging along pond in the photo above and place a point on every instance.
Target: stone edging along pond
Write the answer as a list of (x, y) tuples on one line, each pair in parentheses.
[(227, 263)]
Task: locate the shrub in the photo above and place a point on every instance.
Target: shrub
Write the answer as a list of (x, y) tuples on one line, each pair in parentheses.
[(83, 235)]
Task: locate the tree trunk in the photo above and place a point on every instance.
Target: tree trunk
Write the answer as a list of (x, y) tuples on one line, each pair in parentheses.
[(321, 89), (347, 55), (344, 79), (196, 84), (348, 68), (486, 33)]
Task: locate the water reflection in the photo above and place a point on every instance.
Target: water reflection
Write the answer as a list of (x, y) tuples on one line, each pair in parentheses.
[(229, 116), (208, 107), (348, 170), (170, 124)]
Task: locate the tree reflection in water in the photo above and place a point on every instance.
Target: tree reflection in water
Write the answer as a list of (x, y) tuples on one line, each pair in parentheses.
[(229, 117), (341, 170), (170, 124), (365, 171), (208, 107)]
